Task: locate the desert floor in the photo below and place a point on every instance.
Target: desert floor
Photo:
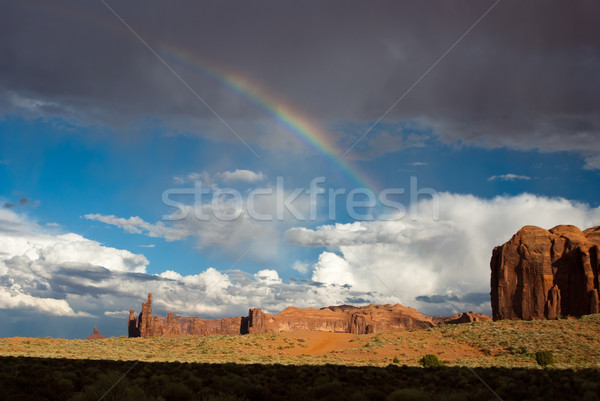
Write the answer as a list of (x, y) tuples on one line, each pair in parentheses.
[(575, 343)]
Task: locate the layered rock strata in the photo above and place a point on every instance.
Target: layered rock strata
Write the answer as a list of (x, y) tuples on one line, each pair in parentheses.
[(339, 319)]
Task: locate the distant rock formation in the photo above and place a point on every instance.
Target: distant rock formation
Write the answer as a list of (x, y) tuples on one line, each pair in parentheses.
[(542, 273), (466, 317), (95, 335), (340, 319), (144, 325)]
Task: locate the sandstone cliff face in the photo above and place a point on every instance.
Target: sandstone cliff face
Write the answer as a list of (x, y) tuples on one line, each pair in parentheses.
[(542, 273), (340, 319), (347, 319), (255, 321)]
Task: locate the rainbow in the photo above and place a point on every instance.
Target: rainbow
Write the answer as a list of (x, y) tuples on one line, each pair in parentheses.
[(293, 120)]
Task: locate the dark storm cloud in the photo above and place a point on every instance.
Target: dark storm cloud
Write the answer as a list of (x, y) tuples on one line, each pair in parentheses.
[(60, 281), (473, 298), (525, 77), (65, 285), (436, 299), (476, 298), (352, 301), (142, 277), (307, 282), (83, 271)]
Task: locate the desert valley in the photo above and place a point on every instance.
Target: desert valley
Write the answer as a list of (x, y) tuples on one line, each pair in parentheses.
[(299, 200), (544, 296)]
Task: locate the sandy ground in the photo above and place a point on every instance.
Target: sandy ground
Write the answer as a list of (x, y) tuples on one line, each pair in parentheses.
[(287, 347), (406, 344)]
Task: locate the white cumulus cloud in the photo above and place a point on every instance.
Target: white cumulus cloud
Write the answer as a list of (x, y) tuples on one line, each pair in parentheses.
[(207, 179), (406, 259), (69, 275), (241, 175)]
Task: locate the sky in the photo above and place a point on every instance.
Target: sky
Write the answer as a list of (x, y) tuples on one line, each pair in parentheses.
[(230, 155)]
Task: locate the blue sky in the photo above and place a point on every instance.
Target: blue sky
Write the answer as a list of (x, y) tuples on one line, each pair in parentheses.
[(74, 171), (92, 136)]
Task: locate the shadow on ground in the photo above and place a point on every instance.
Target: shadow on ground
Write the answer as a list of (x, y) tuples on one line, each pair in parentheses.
[(66, 379)]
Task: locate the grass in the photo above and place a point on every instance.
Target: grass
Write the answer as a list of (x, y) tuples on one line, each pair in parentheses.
[(574, 344)]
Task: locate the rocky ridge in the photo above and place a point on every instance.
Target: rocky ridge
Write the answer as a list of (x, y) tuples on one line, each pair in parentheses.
[(338, 319)]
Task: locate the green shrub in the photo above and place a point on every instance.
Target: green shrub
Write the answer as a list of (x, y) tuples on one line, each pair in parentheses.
[(544, 358), (111, 386), (326, 390), (223, 397), (408, 394), (176, 392), (396, 360), (430, 361)]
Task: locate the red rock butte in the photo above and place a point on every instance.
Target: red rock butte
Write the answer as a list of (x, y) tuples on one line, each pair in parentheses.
[(96, 335), (542, 273), (338, 319)]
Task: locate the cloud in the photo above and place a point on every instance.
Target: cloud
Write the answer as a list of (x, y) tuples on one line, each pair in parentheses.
[(268, 276), (378, 143), (21, 202), (471, 298), (253, 219), (12, 298), (301, 267), (203, 177), (148, 246), (434, 266), (68, 275), (39, 271), (592, 162), (208, 180), (381, 139), (333, 269), (532, 88), (137, 225), (199, 222), (418, 164), (121, 314), (241, 175), (339, 234), (509, 177), (436, 299)]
